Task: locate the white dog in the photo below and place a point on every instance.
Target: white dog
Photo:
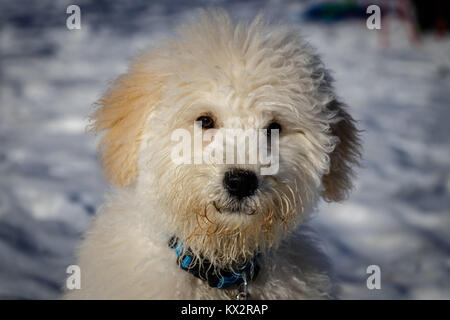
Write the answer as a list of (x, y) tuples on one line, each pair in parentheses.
[(212, 230)]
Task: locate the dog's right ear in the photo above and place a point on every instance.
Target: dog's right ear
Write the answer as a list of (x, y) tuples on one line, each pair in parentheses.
[(121, 115)]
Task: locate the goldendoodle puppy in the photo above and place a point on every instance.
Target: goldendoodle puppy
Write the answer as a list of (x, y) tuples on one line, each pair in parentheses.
[(179, 224)]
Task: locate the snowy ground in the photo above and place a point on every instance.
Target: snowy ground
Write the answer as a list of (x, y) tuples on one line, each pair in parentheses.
[(397, 218)]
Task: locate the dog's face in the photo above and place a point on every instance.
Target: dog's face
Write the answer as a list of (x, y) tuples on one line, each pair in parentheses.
[(214, 84)]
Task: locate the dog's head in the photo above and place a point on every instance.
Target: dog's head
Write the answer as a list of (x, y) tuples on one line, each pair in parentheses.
[(193, 92)]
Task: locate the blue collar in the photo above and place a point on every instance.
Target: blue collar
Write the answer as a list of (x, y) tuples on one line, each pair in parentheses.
[(205, 270)]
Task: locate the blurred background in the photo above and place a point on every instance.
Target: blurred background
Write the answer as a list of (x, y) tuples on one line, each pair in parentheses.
[(396, 81)]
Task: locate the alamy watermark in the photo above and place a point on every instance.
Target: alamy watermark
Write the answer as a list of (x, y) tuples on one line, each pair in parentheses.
[(374, 280), (374, 20), (73, 281), (73, 22), (227, 146)]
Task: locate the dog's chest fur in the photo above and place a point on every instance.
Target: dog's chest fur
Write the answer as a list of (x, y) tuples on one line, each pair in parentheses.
[(120, 261)]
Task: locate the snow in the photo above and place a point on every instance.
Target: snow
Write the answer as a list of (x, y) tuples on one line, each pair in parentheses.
[(50, 184)]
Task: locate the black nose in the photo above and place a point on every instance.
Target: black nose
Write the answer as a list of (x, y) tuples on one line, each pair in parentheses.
[(240, 183)]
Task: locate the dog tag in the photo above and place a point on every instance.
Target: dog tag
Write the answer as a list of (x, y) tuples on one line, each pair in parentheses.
[(243, 289)]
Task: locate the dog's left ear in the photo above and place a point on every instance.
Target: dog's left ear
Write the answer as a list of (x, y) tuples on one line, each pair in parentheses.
[(337, 183)]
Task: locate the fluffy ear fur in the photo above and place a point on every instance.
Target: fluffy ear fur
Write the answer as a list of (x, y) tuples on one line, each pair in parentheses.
[(337, 182), (121, 114)]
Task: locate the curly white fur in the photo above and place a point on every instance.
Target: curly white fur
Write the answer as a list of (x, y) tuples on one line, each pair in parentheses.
[(244, 76)]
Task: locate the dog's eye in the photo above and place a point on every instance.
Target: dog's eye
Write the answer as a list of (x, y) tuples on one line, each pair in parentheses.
[(273, 126), (207, 122)]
